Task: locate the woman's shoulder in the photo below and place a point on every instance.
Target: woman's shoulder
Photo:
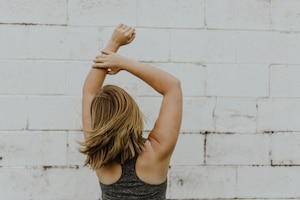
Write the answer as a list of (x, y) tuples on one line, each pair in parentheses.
[(149, 168)]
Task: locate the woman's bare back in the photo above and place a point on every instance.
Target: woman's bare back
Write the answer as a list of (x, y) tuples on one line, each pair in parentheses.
[(148, 168)]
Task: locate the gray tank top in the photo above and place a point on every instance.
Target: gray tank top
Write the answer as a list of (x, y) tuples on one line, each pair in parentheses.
[(130, 187)]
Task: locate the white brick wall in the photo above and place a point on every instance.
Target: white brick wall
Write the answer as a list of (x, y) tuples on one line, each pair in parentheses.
[(60, 42), (239, 65), (34, 12), (284, 81), (14, 41), (285, 15), (238, 14), (171, 13), (237, 80), (202, 46)]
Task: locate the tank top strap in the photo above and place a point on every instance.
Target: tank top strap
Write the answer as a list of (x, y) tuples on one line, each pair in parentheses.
[(130, 187), (128, 168)]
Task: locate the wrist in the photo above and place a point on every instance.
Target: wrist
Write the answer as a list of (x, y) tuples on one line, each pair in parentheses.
[(128, 64), (112, 46)]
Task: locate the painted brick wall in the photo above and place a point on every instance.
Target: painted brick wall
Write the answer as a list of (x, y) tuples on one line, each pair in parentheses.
[(239, 64)]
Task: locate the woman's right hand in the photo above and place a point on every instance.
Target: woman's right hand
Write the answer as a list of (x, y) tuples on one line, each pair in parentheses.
[(123, 35), (110, 61)]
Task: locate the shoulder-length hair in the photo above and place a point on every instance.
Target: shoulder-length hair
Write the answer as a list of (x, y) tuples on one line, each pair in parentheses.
[(116, 128)]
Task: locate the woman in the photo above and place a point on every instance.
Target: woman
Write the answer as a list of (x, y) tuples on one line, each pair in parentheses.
[(127, 166)]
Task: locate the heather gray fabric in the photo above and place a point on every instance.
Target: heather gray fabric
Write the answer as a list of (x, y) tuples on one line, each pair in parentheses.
[(130, 187)]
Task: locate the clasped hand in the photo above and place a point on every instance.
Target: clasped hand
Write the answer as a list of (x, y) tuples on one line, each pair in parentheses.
[(109, 60)]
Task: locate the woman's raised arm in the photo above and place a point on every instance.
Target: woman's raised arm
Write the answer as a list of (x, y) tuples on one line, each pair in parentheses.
[(164, 134), (122, 35)]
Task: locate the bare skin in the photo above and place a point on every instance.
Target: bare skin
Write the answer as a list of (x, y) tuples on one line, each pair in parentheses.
[(153, 163)]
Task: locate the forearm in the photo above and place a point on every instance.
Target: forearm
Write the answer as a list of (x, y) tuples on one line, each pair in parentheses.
[(94, 81), (97, 76), (122, 35), (159, 80)]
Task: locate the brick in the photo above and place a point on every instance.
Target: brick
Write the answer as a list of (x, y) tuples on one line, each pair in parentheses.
[(54, 113), (237, 149), (278, 115), (76, 43), (32, 77), (204, 182), (268, 182), (187, 145), (254, 47), (285, 15), (15, 148), (101, 13), (124, 80), (74, 157), (198, 114), (236, 107), (238, 14), (13, 112), (284, 48), (263, 47), (284, 81), (156, 41), (76, 73), (235, 115), (192, 81), (285, 148), (171, 13), (149, 45), (150, 113), (34, 11), (237, 80), (12, 38), (235, 124), (47, 183), (203, 46), (145, 90), (15, 183)]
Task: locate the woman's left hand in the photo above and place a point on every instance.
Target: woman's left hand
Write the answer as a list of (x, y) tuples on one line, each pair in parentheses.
[(110, 61)]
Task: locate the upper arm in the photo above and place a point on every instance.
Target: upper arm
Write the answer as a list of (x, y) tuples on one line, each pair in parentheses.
[(93, 82), (86, 116), (164, 134)]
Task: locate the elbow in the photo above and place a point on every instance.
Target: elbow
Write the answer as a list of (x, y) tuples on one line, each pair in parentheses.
[(85, 91), (176, 87), (177, 84), (85, 87)]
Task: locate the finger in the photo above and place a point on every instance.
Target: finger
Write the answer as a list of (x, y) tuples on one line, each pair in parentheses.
[(99, 65), (132, 38), (129, 34), (133, 34), (120, 25), (106, 52), (123, 26), (127, 28), (100, 56), (110, 72), (98, 60), (130, 31)]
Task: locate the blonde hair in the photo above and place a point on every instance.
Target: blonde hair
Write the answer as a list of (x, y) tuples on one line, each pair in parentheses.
[(116, 129)]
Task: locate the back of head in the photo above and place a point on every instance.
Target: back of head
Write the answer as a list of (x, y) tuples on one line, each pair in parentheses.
[(116, 129)]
